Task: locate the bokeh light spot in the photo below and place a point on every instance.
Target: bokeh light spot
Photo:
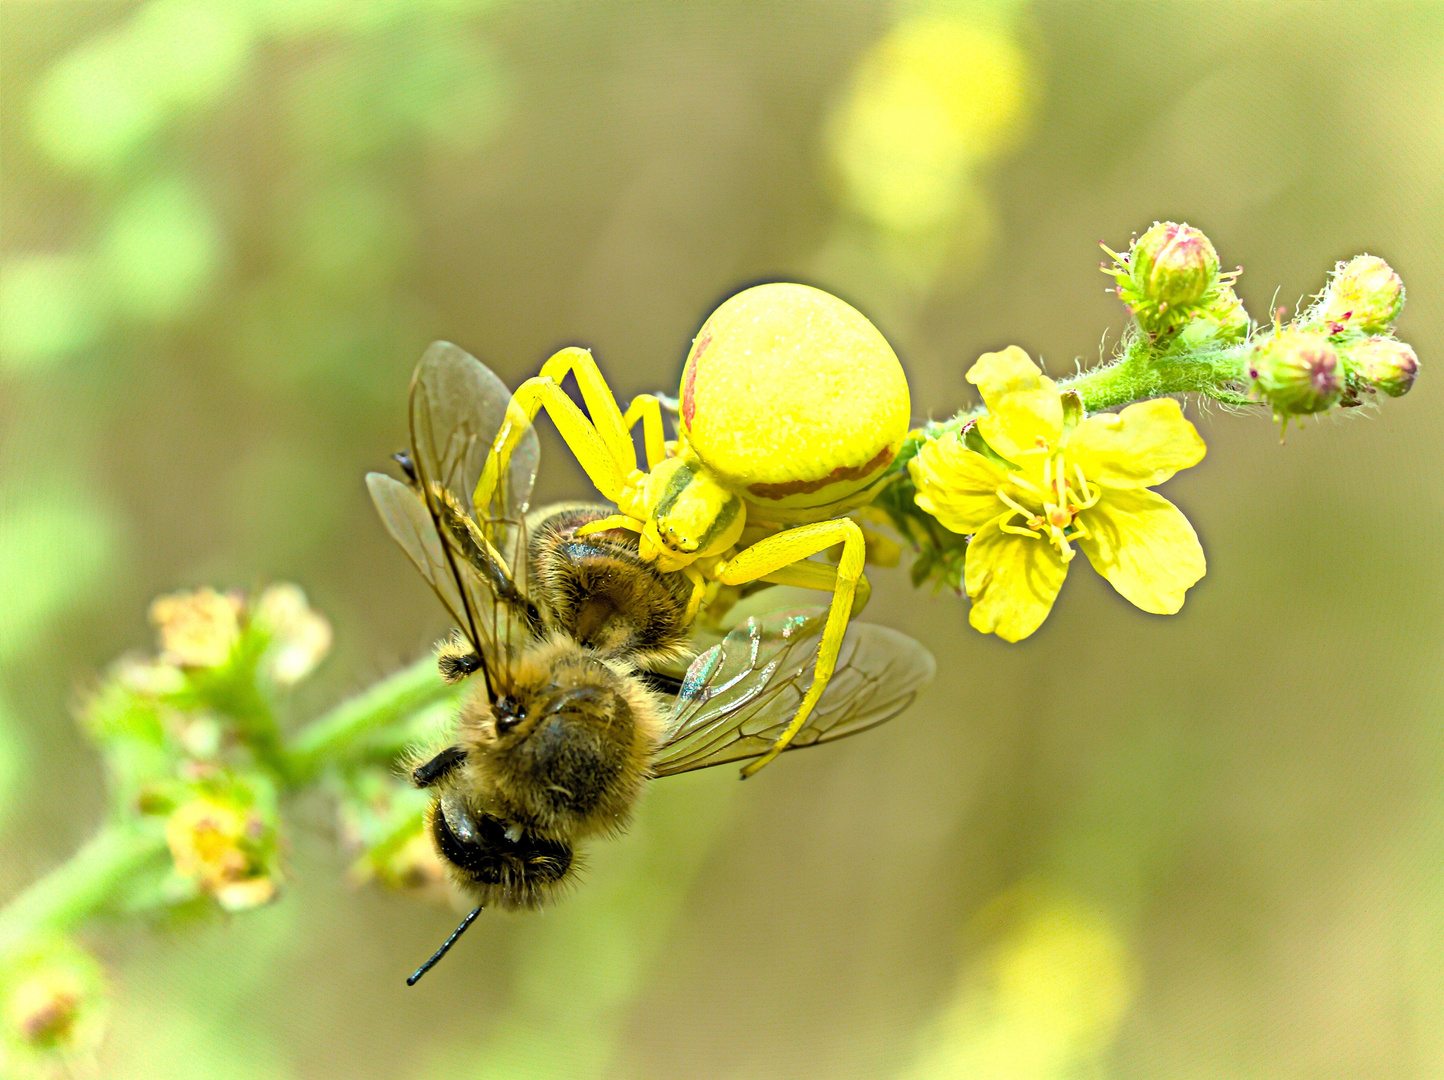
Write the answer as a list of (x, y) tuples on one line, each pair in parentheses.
[(104, 101), (161, 250), (935, 98), (53, 550), (48, 310)]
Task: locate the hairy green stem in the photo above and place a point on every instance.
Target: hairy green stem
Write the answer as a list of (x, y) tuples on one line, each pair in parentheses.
[(329, 738), (80, 887), (77, 889), (1144, 372)]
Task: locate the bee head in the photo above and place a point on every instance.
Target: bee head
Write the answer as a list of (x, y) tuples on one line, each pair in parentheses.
[(499, 862)]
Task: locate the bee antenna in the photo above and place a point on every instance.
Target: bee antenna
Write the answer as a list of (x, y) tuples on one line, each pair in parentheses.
[(445, 946), (403, 458)]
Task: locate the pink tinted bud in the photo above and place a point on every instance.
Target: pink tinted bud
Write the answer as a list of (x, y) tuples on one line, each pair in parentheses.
[(1298, 372), (1364, 292), (1385, 364), (1173, 265)]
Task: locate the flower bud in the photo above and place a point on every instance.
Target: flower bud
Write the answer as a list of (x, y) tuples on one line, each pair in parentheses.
[(1384, 364), (1365, 293), (198, 629), (300, 636), (1298, 372), (1221, 320), (1173, 265)]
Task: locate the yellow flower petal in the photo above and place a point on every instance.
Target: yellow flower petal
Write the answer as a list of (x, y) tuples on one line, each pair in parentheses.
[(1144, 546), (1023, 403), (957, 486), (1012, 581), (1141, 446)]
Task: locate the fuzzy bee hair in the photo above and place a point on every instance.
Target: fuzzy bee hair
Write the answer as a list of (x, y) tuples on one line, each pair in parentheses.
[(600, 591), (565, 751)]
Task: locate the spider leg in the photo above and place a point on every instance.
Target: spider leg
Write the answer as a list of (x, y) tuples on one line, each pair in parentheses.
[(600, 401), (823, 578), (600, 443), (647, 409), (783, 550), (615, 521)]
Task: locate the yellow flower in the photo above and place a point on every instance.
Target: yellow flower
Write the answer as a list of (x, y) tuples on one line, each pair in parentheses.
[(220, 847), (54, 1007), (197, 629), (1050, 487), (300, 636)]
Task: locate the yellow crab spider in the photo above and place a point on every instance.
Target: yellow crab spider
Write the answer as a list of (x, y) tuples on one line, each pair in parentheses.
[(792, 405)]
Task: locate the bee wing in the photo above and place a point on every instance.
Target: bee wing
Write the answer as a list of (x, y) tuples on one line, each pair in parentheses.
[(412, 527), (739, 696), (475, 561), (457, 408)]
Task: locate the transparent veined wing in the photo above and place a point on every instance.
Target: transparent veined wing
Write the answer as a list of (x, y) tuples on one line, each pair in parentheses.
[(739, 696), (475, 561), (412, 527), (457, 408)]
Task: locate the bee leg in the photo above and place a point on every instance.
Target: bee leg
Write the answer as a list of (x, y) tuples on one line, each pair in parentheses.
[(438, 767), (457, 662), (403, 458), (772, 554), (661, 683)]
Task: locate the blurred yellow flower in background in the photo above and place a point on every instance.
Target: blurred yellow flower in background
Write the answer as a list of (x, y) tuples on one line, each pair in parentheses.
[(1030, 481), (300, 635), (54, 1010), (197, 629), (933, 99), (940, 96), (221, 847), (1043, 1003)]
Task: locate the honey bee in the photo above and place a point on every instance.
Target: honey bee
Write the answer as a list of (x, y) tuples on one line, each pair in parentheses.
[(572, 716)]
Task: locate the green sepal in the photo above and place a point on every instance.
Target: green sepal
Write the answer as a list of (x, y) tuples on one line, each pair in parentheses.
[(1073, 411)]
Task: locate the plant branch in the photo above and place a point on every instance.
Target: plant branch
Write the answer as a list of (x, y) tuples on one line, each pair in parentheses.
[(330, 738), (1143, 372), (77, 889)]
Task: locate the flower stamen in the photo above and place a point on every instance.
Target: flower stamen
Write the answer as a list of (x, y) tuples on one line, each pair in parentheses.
[(1005, 524), (1026, 485), (1057, 521), (1090, 497)]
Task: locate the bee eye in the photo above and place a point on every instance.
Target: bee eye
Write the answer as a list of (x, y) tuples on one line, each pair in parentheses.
[(508, 714)]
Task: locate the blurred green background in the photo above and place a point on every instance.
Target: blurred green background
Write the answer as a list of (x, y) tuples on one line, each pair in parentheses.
[(1198, 847)]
